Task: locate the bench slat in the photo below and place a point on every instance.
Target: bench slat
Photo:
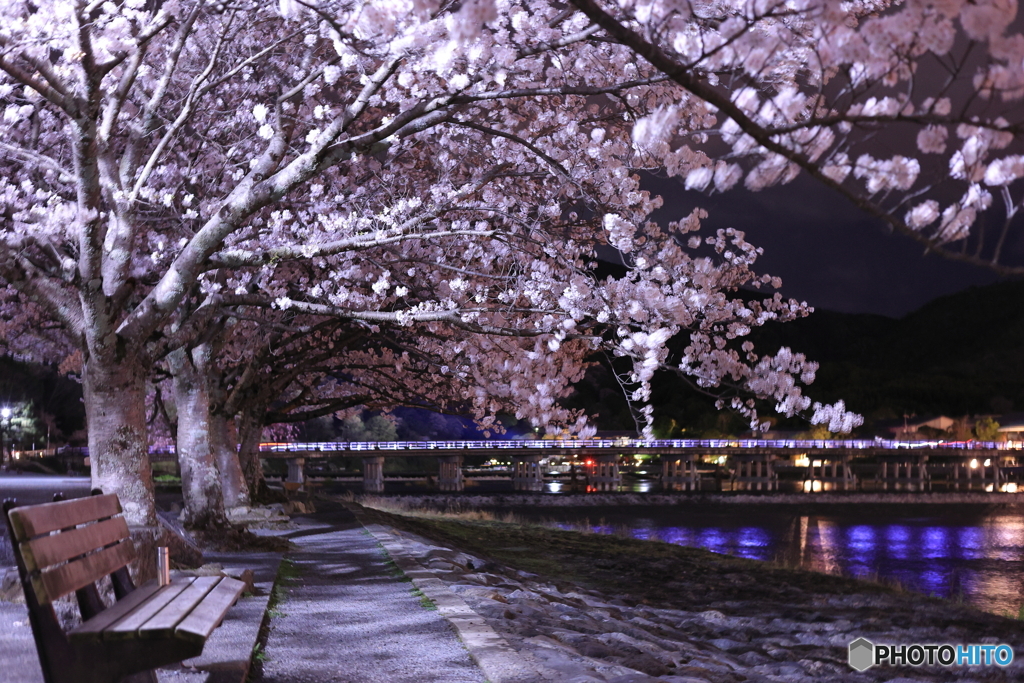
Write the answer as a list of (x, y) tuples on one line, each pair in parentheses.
[(129, 626), (91, 630), (198, 625), (36, 520), (59, 581), (45, 551), (163, 623)]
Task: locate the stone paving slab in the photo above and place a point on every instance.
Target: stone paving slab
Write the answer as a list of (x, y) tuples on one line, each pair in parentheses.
[(348, 617)]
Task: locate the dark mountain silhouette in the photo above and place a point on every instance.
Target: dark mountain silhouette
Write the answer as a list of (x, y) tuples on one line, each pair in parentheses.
[(958, 355)]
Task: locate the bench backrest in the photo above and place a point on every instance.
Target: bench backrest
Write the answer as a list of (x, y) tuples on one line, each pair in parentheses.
[(68, 545)]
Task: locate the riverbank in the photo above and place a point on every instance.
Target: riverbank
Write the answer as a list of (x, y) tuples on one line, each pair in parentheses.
[(607, 608)]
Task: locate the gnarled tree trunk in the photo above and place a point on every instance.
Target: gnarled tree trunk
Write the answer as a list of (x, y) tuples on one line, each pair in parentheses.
[(115, 404), (250, 430), (225, 451), (200, 478)]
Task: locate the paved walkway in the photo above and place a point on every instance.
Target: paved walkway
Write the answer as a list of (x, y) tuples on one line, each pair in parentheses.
[(349, 617)]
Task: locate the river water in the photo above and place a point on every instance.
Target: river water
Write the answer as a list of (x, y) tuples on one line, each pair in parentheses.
[(973, 553)]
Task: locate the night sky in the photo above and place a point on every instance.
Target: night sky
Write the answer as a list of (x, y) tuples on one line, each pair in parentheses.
[(825, 250)]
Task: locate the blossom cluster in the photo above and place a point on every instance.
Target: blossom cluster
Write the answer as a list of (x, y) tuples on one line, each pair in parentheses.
[(417, 191)]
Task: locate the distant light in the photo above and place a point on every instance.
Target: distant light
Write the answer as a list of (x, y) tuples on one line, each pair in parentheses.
[(974, 463), (5, 413), (987, 462)]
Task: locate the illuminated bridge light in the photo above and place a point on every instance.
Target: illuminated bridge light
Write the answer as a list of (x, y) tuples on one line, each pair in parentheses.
[(620, 444)]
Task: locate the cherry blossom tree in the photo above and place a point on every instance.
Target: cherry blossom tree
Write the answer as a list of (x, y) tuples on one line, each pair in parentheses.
[(443, 170), (277, 367), (911, 109)]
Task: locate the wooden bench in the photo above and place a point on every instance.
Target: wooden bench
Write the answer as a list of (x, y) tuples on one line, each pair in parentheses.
[(68, 546)]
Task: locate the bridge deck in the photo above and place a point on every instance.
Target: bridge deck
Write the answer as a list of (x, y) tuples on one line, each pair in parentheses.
[(828, 449)]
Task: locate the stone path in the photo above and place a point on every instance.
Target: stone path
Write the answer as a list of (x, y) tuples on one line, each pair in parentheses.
[(350, 617)]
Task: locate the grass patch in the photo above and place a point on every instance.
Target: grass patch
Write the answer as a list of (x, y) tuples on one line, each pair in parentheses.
[(393, 569), (287, 575), (1018, 617), (425, 602)]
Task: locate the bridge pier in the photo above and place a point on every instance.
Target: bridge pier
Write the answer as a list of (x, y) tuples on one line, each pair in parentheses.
[(449, 476), (984, 472), (828, 468), (754, 472), (603, 472), (679, 473), (910, 472), (373, 474), (526, 473), (296, 475)]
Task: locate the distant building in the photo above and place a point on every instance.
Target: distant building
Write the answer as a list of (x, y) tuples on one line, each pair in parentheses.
[(910, 427), (613, 434), (1012, 424), (784, 434)]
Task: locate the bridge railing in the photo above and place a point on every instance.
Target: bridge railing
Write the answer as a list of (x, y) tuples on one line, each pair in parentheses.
[(549, 444), (590, 444)]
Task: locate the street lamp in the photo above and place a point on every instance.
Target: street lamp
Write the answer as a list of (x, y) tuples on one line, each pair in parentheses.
[(5, 416)]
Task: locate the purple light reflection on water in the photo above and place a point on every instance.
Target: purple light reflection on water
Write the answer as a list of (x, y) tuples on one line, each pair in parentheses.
[(862, 544), (679, 536), (715, 541), (861, 538), (970, 541), (933, 583), (754, 543), (968, 553), (934, 543), (897, 541)]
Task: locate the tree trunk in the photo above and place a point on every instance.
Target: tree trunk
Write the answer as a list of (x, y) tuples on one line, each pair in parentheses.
[(250, 430), (233, 483), (115, 405), (200, 479)]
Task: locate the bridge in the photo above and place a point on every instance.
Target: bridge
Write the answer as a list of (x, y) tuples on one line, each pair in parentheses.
[(746, 464), (753, 464)]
